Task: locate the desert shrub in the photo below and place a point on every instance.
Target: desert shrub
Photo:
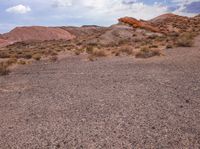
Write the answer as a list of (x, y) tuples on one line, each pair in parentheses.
[(65, 45), (53, 58), (127, 50), (53, 54), (13, 55), (26, 55), (134, 35), (4, 68), (153, 46), (121, 42), (174, 34), (92, 44), (19, 52), (42, 48), (146, 43), (77, 52), (185, 40), (117, 53), (160, 38), (99, 53), (4, 54), (12, 61), (21, 62), (169, 46), (89, 49), (136, 40), (146, 52), (58, 50), (91, 58), (37, 57), (152, 36)]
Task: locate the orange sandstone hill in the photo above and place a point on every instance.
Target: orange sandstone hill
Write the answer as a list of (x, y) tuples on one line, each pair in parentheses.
[(37, 33), (139, 24)]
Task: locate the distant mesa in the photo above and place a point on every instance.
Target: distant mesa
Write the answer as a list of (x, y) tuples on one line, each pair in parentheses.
[(95, 26)]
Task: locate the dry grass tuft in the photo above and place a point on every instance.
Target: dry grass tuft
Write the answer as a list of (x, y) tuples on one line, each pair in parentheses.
[(117, 53), (4, 54), (21, 62), (127, 50), (91, 58), (12, 61), (53, 58), (89, 49), (99, 53), (53, 53), (26, 55), (169, 46), (146, 52), (185, 40), (77, 52), (37, 57)]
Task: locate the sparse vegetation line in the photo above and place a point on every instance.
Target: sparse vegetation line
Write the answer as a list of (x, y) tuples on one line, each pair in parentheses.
[(130, 37)]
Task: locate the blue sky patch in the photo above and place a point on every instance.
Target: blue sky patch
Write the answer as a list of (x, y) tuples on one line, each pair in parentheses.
[(80, 12)]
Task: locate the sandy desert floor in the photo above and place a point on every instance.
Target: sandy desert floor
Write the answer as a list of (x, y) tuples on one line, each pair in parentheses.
[(109, 103)]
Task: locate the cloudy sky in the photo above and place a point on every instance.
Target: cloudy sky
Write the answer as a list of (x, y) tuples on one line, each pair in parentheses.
[(82, 12)]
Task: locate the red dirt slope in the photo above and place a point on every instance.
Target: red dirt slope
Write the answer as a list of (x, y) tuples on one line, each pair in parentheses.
[(165, 17), (175, 23), (3, 42), (37, 33)]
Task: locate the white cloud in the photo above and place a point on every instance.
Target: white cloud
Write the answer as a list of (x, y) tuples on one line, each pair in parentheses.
[(182, 4), (62, 3), (112, 9), (19, 9), (109, 10)]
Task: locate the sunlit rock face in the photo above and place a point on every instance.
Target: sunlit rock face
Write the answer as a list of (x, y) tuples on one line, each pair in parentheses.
[(139, 24)]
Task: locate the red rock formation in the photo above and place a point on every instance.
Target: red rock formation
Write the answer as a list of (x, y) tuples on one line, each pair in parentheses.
[(139, 24), (166, 23), (37, 33)]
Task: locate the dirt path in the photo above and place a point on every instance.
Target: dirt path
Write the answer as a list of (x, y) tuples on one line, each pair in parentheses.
[(110, 103)]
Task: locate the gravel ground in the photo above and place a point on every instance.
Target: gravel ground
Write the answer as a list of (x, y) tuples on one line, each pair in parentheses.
[(113, 103)]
